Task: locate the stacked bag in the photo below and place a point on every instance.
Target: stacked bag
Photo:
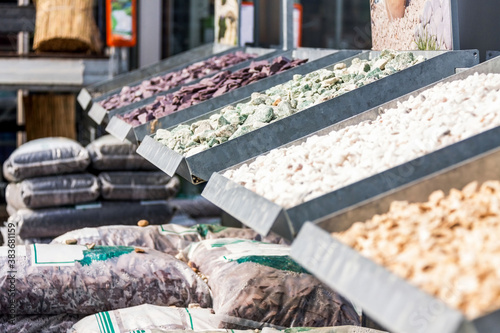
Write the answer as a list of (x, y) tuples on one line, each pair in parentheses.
[(57, 185), (202, 280)]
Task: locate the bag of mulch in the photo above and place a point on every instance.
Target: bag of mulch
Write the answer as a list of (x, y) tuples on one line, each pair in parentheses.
[(45, 157), (53, 222), (138, 185), (53, 191), (168, 238), (38, 323), (109, 153), (76, 279), (260, 282)]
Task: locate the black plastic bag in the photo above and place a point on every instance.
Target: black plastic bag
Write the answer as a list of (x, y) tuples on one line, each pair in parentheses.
[(45, 157), (53, 191)]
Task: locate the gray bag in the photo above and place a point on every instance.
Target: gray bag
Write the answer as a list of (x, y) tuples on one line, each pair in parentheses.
[(53, 191), (138, 185), (53, 222), (109, 153), (45, 157), (76, 279)]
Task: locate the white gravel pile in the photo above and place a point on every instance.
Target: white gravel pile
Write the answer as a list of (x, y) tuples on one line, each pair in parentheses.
[(436, 118)]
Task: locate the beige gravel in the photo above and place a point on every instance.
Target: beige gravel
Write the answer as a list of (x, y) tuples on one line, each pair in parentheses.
[(447, 246)]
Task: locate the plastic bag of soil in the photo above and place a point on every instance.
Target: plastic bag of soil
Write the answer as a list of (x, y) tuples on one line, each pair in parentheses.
[(75, 279), (53, 222), (45, 157), (109, 153), (260, 282), (38, 323), (168, 238), (53, 191), (138, 185)]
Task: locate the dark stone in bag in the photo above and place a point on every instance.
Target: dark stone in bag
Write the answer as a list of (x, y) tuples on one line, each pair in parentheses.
[(260, 282), (73, 279)]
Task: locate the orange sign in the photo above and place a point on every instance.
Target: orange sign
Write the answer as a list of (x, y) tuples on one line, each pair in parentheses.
[(121, 23)]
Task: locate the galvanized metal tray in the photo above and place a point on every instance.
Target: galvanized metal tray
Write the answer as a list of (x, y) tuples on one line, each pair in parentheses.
[(85, 96), (390, 300), (262, 54), (100, 114), (263, 215), (319, 58), (492, 54), (199, 167)]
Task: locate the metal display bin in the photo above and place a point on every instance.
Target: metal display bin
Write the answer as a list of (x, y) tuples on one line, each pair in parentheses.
[(206, 51), (263, 215), (101, 115), (492, 54), (389, 299), (319, 58), (199, 167)]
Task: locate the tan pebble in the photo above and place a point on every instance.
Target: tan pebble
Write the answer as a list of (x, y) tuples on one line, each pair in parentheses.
[(139, 250), (143, 223), (71, 241)]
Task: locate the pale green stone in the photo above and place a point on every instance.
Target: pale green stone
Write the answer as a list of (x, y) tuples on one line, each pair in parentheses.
[(244, 129), (201, 126), (222, 121), (225, 131)]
